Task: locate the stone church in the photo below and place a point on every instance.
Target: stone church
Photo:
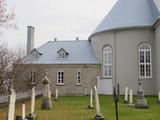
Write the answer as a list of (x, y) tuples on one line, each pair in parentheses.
[(123, 48)]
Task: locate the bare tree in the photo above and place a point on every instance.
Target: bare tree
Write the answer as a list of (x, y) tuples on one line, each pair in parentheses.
[(9, 60), (7, 17)]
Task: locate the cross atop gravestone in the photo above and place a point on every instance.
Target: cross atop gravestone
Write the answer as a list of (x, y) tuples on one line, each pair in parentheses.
[(141, 102), (46, 100)]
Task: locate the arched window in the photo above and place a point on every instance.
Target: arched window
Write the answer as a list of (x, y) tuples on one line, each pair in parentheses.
[(145, 61), (107, 61)]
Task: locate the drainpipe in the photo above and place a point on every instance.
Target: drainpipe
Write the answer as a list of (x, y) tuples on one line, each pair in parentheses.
[(115, 58)]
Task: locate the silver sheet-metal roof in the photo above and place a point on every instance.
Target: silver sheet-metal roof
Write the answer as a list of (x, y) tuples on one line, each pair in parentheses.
[(80, 52), (130, 13)]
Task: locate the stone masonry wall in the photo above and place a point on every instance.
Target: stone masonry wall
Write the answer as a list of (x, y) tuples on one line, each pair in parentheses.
[(89, 75)]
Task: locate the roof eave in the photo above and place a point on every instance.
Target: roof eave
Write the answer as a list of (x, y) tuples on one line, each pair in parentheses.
[(120, 28)]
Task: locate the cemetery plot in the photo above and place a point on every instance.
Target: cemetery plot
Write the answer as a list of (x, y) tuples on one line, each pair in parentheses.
[(76, 108)]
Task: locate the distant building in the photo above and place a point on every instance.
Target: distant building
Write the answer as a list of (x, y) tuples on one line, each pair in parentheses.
[(124, 47)]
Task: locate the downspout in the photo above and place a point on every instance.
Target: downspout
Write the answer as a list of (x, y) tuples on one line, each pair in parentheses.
[(115, 58)]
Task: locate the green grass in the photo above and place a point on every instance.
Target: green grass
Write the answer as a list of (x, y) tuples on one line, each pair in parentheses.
[(75, 108)]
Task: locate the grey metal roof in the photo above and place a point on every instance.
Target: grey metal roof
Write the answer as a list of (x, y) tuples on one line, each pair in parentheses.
[(80, 52), (130, 13)]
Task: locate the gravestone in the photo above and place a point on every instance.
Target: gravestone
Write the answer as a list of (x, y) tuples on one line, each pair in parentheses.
[(141, 102), (131, 98), (158, 101), (32, 115), (56, 95), (126, 96), (23, 111), (90, 106), (46, 99), (23, 115), (12, 100), (98, 112)]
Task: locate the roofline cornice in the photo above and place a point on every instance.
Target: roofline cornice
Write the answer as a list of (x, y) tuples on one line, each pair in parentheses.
[(120, 28)]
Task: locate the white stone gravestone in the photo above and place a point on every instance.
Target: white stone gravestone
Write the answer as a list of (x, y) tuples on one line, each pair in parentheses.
[(11, 110), (130, 98), (56, 95), (91, 100), (98, 112), (126, 95), (33, 101), (23, 111)]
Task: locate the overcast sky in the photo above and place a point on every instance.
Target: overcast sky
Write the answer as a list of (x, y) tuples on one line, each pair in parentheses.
[(63, 19)]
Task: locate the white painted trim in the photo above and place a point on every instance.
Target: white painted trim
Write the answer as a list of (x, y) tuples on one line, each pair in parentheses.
[(107, 64), (145, 50), (60, 77), (78, 76)]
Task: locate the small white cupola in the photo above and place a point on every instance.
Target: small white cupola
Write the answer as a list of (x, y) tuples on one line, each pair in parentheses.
[(35, 54), (62, 54)]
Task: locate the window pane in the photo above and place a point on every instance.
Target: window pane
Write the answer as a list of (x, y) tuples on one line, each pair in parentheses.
[(110, 58), (147, 56), (148, 72), (105, 70), (105, 58), (142, 70), (109, 70), (141, 56)]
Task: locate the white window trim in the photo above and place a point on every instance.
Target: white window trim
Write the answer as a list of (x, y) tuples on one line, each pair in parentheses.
[(33, 79), (139, 50), (77, 77), (107, 64), (60, 78), (60, 55)]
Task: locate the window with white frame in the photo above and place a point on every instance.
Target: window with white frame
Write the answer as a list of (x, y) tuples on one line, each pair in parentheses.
[(60, 77), (34, 55), (107, 61), (33, 78), (62, 55), (78, 78), (145, 61)]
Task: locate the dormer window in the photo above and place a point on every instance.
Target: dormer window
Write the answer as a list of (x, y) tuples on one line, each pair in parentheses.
[(35, 54), (62, 54)]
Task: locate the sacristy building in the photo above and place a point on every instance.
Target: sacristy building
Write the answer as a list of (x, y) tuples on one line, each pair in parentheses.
[(123, 48)]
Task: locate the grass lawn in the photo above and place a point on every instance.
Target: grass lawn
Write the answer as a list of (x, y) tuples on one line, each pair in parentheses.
[(75, 108)]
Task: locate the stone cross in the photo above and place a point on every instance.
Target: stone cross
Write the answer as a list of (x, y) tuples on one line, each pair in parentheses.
[(11, 110), (126, 95), (91, 100), (23, 112), (141, 102), (33, 101), (46, 100), (98, 112), (56, 95)]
